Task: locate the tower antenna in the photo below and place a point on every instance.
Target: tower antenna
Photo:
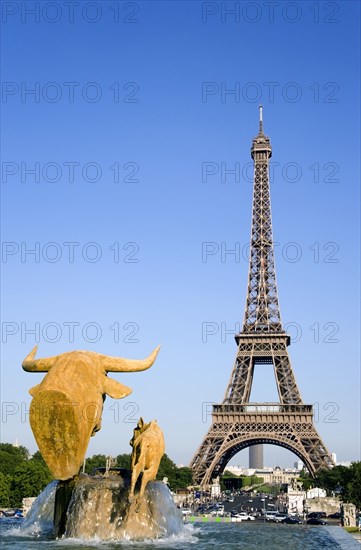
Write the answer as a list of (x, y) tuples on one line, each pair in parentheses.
[(261, 119)]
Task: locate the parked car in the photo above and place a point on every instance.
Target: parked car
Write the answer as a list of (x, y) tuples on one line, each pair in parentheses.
[(279, 517), (335, 515), (291, 521), (245, 516), (316, 521), (317, 515), (270, 515), (186, 511), (218, 511)]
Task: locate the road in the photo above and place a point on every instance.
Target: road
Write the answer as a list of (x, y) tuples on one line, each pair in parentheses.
[(249, 503)]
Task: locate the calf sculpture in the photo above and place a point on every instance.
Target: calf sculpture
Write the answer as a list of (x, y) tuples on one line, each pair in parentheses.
[(148, 449), (67, 405)]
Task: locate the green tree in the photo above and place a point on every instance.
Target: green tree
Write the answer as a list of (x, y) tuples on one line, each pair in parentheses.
[(15, 450), (227, 473), (254, 480), (246, 481), (167, 468), (230, 481), (353, 487), (5, 490), (266, 488), (306, 479), (184, 477), (334, 480), (342, 480), (11, 457), (95, 461), (38, 457), (124, 461), (28, 480), (177, 477)]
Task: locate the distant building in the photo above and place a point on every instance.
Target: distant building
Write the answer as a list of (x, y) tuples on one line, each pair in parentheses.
[(236, 470), (316, 492), (269, 475), (277, 475), (295, 500), (256, 456)]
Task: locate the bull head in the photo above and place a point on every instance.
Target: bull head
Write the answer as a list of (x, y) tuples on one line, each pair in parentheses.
[(67, 405)]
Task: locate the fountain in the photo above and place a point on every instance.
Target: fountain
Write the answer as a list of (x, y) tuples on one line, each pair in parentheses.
[(110, 504)]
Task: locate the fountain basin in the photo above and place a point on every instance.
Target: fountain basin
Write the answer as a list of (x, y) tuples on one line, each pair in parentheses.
[(97, 506)]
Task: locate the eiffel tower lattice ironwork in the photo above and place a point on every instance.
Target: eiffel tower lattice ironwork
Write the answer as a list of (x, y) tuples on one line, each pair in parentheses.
[(237, 423)]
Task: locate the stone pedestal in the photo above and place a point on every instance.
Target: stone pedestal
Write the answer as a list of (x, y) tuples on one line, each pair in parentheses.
[(98, 506)]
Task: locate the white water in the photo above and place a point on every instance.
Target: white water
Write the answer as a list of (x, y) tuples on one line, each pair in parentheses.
[(40, 518), (99, 511)]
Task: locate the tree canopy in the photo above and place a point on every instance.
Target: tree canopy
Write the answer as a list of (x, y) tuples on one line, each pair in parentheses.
[(11, 456), (95, 461), (29, 479), (177, 477), (342, 480), (22, 476), (123, 461)]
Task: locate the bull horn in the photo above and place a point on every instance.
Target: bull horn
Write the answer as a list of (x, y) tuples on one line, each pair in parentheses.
[(38, 365), (118, 364)]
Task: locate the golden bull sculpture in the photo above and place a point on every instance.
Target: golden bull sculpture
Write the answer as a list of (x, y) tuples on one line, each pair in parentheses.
[(67, 405), (148, 449)]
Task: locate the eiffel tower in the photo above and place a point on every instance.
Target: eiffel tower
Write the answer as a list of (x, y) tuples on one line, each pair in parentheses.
[(237, 423)]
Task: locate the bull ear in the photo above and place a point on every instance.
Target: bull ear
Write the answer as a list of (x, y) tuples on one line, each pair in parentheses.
[(34, 390), (115, 389)]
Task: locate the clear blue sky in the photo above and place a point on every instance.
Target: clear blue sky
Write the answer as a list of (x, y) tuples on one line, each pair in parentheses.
[(143, 89)]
